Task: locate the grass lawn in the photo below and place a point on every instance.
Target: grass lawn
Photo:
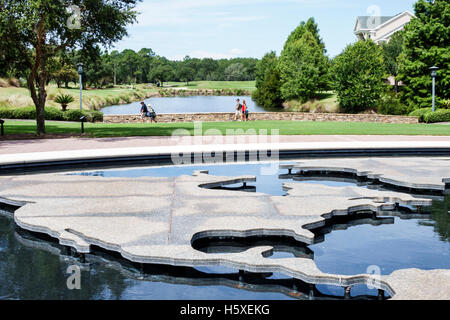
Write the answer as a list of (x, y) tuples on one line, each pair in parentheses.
[(99, 130), (92, 99), (213, 85)]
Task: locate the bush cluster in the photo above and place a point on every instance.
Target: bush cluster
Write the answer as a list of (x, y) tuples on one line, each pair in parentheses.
[(427, 115), (50, 114), (442, 115), (420, 113), (389, 103)]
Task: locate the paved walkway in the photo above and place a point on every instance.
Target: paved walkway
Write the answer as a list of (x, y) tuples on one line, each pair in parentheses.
[(73, 144)]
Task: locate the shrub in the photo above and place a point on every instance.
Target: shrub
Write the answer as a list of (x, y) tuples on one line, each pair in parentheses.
[(420, 113), (13, 82), (75, 115), (320, 108), (52, 113), (6, 113), (64, 100), (389, 103), (3, 83), (25, 113), (94, 116), (442, 115), (445, 104)]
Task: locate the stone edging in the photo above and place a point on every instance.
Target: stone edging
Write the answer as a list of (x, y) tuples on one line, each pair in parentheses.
[(263, 116)]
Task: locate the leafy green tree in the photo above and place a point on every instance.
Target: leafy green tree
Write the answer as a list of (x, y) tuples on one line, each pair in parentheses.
[(309, 26), (264, 66), (268, 94), (236, 72), (391, 52), (426, 43), (268, 84), (161, 74), (358, 76), (187, 74), (303, 68), (39, 29), (65, 74)]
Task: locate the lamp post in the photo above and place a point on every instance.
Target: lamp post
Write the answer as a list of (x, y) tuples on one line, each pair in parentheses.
[(433, 76), (80, 72)]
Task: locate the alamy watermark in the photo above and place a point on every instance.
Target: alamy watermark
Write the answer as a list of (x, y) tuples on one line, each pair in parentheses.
[(74, 280), (74, 21), (375, 279), (235, 145)]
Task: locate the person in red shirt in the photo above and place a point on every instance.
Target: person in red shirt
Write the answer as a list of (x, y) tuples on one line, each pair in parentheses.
[(244, 116)]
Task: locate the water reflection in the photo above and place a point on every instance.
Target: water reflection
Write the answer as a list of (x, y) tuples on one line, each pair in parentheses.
[(34, 268)]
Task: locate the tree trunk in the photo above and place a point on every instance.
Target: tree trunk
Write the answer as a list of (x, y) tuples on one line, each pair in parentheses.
[(40, 108), (115, 75)]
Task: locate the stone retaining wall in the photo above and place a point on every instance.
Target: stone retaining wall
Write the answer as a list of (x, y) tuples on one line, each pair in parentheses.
[(180, 92), (293, 116)]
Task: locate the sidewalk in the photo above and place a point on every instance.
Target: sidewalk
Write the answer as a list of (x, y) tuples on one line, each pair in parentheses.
[(8, 147), (17, 153)]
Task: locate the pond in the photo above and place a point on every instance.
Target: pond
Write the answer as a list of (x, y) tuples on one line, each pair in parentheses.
[(194, 104), (32, 267)]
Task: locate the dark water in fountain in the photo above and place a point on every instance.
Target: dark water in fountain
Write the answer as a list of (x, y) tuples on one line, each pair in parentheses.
[(35, 268)]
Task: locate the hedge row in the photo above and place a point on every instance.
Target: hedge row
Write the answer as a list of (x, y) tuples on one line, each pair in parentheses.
[(441, 115), (50, 114), (427, 115)]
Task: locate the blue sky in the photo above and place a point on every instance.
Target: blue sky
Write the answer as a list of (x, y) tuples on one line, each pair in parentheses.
[(245, 28)]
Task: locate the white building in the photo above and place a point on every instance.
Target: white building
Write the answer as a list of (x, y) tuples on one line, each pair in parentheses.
[(381, 28)]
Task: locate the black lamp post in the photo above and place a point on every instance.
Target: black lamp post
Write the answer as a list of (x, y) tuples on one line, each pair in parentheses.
[(2, 129), (433, 76), (82, 120), (80, 72)]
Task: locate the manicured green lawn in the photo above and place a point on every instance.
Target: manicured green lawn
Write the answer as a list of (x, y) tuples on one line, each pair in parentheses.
[(213, 85), (285, 128)]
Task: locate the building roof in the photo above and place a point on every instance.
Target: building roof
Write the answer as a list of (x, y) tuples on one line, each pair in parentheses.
[(371, 22)]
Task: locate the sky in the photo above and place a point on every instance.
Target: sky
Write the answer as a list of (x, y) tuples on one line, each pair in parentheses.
[(245, 28)]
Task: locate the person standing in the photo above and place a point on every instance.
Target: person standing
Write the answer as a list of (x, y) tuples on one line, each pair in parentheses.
[(246, 110), (144, 111), (238, 110)]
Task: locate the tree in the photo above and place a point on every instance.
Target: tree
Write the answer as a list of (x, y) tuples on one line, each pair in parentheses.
[(267, 93), (236, 72), (186, 73), (161, 74), (39, 29), (303, 68), (391, 52), (426, 40), (358, 76), (310, 26)]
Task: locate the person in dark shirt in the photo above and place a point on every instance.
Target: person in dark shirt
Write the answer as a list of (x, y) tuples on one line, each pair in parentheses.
[(144, 111)]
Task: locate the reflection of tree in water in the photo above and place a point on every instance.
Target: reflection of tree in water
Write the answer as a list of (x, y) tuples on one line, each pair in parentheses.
[(25, 272), (440, 218)]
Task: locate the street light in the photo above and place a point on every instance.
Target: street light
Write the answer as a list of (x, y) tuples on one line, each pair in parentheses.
[(80, 72), (433, 76)]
